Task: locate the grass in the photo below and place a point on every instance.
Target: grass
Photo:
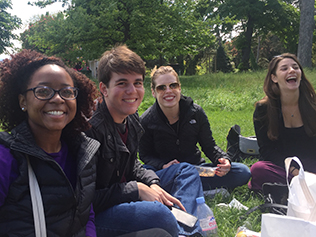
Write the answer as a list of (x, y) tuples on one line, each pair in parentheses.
[(227, 99)]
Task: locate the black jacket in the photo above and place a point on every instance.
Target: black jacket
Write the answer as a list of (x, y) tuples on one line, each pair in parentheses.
[(161, 143), (291, 141), (115, 160), (66, 210)]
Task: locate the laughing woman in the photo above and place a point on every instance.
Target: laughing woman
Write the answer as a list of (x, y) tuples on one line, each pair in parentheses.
[(285, 122), (43, 110)]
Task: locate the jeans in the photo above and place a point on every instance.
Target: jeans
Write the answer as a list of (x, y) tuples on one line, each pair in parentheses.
[(181, 181), (155, 232), (135, 216), (238, 175)]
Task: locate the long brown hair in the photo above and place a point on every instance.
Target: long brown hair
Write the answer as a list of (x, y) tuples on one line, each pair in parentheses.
[(307, 100)]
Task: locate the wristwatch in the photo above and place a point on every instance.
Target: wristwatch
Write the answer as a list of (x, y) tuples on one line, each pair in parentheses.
[(154, 181)]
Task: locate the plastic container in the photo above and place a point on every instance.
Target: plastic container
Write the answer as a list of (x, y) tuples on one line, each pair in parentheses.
[(206, 218), (242, 231), (205, 171)]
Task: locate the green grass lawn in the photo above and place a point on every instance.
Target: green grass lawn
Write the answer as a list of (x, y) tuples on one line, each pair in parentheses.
[(227, 99)]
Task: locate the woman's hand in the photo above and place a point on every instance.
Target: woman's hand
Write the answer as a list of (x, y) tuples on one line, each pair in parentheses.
[(223, 167), (175, 161), (156, 193)]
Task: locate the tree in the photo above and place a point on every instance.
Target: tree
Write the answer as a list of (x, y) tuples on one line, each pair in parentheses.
[(307, 26), (8, 23), (49, 35), (157, 30), (258, 17), (222, 61)]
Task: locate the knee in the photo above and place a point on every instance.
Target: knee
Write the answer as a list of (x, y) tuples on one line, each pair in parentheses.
[(188, 169), (242, 170), (159, 211), (163, 218), (257, 169)]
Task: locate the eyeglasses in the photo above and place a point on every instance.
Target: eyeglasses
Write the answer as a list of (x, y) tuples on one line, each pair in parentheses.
[(172, 86), (46, 93)]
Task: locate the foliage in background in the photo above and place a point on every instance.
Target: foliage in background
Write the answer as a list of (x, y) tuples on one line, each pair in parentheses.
[(8, 23), (174, 32), (159, 30), (255, 17)]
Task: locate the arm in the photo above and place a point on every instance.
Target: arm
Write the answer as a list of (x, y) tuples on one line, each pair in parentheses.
[(143, 175), (147, 149), (269, 150), (115, 194), (8, 172), (110, 191), (206, 140)]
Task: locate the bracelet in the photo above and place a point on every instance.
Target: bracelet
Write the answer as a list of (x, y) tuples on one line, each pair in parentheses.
[(291, 171)]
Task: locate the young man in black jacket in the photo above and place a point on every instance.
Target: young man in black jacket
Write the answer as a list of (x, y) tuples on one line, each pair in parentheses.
[(128, 197)]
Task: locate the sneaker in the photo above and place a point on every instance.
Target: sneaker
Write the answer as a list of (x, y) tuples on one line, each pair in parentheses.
[(211, 193)]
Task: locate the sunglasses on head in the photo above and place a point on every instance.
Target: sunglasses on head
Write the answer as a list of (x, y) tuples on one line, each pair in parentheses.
[(172, 86)]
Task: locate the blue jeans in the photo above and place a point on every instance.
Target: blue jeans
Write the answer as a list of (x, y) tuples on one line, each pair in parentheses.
[(181, 181), (238, 175), (135, 216)]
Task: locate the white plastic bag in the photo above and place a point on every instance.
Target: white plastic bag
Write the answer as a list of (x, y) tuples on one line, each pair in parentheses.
[(273, 225), (302, 193)]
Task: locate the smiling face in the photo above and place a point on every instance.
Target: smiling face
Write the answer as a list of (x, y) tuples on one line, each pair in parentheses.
[(170, 97), (123, 95), (48, 116), (287, 75)]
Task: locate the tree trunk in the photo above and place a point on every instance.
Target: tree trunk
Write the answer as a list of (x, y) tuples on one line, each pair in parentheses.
[(305, 42), (247, 46)]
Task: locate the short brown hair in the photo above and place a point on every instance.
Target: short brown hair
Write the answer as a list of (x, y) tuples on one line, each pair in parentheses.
[(121, 60)]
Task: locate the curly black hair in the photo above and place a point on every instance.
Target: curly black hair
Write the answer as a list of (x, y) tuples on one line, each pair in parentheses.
[(15, 75)]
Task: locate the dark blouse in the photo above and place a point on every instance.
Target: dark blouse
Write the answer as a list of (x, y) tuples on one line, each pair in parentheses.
[(291, 142)]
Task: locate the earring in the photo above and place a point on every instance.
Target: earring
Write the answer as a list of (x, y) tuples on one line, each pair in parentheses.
[(23, 109)]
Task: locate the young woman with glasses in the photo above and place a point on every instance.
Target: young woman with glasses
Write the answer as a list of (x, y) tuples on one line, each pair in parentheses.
[(44, 107), (173, 127), (285, 122)]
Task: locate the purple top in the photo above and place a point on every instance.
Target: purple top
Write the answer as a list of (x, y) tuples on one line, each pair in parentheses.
[(9, 171)]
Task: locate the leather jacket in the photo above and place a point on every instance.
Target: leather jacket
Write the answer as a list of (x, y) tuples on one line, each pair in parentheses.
[(118, 167)]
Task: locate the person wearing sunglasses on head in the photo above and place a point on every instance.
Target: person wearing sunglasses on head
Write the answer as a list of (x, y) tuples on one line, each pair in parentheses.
[(44, 106), (173, 127)]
